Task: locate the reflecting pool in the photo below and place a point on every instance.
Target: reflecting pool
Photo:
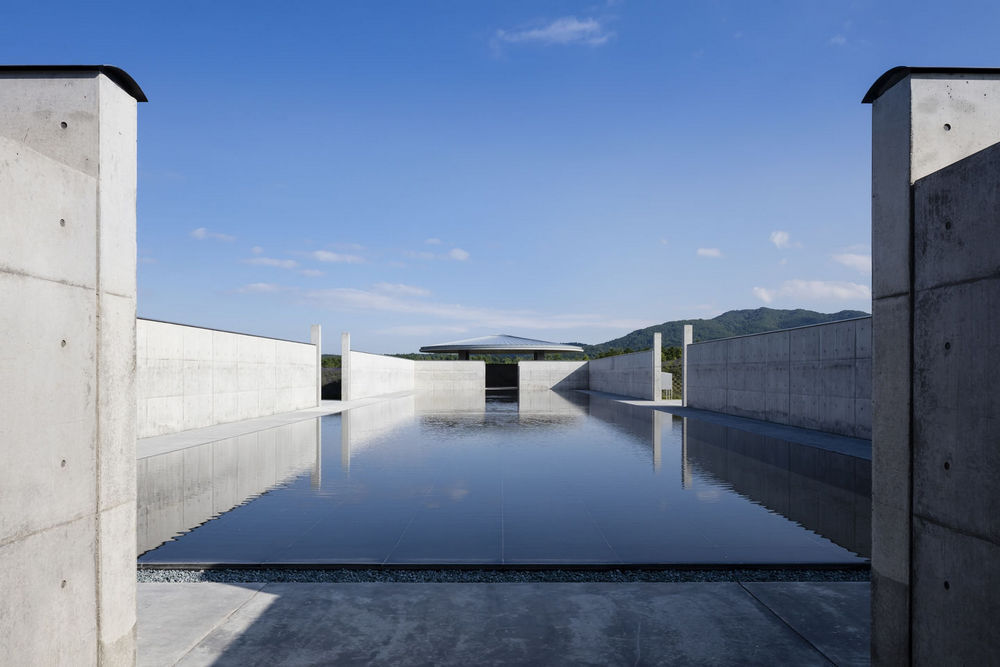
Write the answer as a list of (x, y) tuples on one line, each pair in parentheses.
[(551, 478)]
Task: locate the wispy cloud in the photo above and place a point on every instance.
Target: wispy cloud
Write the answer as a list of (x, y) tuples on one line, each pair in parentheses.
[(563, 31), (312, 273), (256, 250), (261, 288), (345, 298), (270, 261), (780, 239), (401, 289), (713, 253), (327, 256), (202, 233), (858, 262), (433, 241), (459, 254), (818, 290), (837, 40), (423, 330)]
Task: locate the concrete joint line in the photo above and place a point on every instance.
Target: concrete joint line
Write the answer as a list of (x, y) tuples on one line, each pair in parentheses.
[(24, 274), (955, 283), (954, 529), (785, 623), (17, 537)]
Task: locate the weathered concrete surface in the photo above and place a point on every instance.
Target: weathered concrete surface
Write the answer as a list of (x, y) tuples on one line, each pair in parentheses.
[(815, 377), (366, 375), (190, 377), (935, 177), (67, 322), (509, 624)]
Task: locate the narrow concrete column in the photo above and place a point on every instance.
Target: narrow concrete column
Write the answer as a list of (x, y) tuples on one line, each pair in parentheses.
[(657, 389), (345, 366), (316, 338), (67, 365), (688, 339), (935, 292)]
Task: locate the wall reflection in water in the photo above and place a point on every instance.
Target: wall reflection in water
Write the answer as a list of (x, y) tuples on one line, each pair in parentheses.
[(180, 490), (827, 492)]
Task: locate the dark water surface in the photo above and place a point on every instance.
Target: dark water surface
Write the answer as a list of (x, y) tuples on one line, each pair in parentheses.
[(552, 479)]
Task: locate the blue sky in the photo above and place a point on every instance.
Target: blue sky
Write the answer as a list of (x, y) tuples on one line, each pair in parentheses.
[(418, 172)]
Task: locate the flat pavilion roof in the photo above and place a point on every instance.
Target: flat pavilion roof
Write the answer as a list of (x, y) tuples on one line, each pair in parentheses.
[(501, 343)]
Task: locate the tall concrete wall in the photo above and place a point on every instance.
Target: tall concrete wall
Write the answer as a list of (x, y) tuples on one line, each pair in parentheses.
[(189, 377), (375, 375), (816, 377), (538, 376), (459, 385), (67, 369), (636, 375), (936, 299)]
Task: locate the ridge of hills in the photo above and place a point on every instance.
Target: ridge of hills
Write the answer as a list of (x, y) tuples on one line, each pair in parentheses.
[(730, 323)]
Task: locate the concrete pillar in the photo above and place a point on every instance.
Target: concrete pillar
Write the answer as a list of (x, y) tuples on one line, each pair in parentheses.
[(316, 338), (67, 366), (935, 298), (657, 389), (345, 366), (688, 339)]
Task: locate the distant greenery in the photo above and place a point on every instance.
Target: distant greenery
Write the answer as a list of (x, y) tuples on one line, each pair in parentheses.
[(731, 323), (491, 358), (331, 361)]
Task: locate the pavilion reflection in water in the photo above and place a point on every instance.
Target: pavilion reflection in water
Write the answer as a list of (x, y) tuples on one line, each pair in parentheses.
[(826, 492)]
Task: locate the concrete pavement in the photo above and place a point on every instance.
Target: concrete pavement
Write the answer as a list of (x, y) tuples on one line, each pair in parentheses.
[(716, 623)]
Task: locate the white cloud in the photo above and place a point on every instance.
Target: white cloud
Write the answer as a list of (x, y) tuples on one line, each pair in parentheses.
[(203, 233), (312, 273), (714, 253), (345, 298), (256, 250), (459, 254), (270, 261), (433, 241), (401, 289), (563, 31), (664, 242), (814, 290), (418, 254), (423, 330), (858, 262), (837, 40), (260, 288), (327, 256), (780, 239)]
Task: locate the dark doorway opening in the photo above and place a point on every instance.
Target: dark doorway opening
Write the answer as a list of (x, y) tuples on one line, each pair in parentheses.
[(501, 376)]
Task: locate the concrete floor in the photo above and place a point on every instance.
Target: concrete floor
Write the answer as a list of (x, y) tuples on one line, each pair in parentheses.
[(725, 623)]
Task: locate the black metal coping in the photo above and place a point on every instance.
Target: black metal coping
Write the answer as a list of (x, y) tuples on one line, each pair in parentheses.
[(893, 76), (116, 74), (511, 567)]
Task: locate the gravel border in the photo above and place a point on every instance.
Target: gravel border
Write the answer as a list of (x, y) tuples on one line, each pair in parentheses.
[(341, 575)]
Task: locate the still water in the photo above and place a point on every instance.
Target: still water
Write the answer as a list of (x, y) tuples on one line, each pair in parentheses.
[(552, 479)]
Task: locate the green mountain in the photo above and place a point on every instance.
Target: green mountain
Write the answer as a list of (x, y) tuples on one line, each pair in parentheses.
[(731, 323)]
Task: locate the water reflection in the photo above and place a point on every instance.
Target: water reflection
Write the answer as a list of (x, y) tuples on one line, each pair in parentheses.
[(554, 477), (826, 492), (185, 488)]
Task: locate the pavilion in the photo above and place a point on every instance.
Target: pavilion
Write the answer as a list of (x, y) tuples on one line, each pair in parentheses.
[(501, 344)]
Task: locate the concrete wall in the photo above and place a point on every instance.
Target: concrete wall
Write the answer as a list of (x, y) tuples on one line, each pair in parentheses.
[(182, 489), (936, 299), (636, 375), (189, 377), (375, 375), (815, 377), (459, 385), (536, 376), (67, 369)]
